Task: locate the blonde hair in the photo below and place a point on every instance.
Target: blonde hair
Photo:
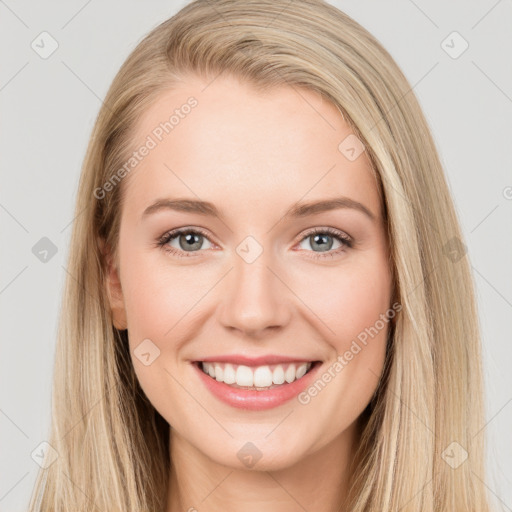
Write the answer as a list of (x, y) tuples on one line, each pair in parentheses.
[(112, 445)]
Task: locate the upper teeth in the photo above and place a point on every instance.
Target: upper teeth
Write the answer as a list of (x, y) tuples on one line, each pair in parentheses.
[(258, 376)]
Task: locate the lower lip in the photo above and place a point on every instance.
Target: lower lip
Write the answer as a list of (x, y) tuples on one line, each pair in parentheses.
[(253, 399)]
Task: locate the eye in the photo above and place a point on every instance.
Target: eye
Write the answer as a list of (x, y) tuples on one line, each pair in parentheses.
[(321, 239), (185, 241)]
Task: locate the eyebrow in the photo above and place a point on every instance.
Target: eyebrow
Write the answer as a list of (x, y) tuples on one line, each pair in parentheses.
[(295, 211)]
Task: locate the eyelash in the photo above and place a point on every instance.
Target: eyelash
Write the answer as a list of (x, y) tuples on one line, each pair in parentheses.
[(162, 242)]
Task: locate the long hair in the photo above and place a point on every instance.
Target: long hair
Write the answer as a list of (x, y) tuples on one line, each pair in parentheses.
[(112, 445)]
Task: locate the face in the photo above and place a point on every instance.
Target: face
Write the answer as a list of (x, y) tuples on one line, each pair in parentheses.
[(258, 282)]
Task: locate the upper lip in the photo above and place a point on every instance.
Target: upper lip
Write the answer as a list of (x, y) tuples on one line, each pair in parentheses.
[(254, 361)]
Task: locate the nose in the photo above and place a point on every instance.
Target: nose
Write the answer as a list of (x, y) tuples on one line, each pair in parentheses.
[(255, 298)]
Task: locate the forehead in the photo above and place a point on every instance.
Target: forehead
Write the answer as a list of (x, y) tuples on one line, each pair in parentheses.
[(230, 144)]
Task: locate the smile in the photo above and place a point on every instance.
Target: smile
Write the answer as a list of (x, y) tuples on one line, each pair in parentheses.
[(256, 387), (260, 377)]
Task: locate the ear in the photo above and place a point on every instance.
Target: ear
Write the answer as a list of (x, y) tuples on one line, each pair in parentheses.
[(113, 287)]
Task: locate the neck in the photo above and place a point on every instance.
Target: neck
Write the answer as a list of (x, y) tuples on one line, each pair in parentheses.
[(319, 481)]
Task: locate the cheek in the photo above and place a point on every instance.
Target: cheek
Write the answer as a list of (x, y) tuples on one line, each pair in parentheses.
[(157, 298), (351, 307), (349, 299), (159, 305)]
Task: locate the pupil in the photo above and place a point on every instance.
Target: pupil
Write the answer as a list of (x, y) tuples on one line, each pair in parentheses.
[(191, 240), (322, 246)]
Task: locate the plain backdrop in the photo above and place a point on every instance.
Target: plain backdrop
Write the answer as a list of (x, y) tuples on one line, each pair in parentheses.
[(48, 109)]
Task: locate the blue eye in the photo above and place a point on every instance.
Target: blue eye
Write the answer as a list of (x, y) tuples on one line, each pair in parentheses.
[(186, 238), (193, 239), (319, 238)]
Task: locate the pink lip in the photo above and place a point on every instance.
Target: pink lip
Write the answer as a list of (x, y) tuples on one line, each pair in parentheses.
[(254, 361), (252, 399)]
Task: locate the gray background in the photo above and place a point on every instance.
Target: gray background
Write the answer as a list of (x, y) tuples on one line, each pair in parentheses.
[(48, 109)]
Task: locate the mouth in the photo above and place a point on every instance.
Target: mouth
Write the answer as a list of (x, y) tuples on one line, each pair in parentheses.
[(259, 378), (252, 387)]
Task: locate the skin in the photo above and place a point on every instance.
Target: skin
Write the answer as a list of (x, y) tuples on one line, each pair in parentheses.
[(253, 155)]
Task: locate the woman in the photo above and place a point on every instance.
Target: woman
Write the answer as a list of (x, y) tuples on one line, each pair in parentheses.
[(318, 349)]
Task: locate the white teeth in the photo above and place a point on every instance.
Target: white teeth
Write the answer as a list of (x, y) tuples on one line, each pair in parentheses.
[(258, 377), (301, 371), (219, 373), (229, 374), (278, 375), (244, 376), (289, 375), (262, 377)]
